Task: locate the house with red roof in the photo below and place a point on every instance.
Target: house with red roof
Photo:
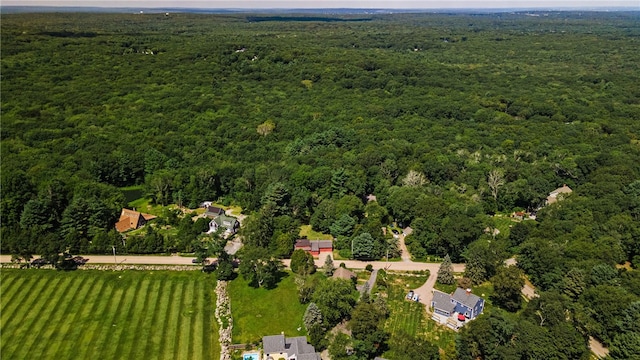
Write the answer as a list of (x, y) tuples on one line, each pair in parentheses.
[(131, 220)]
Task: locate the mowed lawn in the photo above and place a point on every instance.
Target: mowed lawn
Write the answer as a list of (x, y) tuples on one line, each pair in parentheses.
[(48, 314), (260, 312)]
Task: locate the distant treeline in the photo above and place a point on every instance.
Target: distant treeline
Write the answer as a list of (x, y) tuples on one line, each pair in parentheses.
[(303, 18)]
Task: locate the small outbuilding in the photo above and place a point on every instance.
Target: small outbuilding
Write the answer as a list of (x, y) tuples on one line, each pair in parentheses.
[(558, 194)]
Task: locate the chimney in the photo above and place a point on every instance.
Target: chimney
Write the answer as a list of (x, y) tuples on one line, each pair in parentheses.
[(468, 291)]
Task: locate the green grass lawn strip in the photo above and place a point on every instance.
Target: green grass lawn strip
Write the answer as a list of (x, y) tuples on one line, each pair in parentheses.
[(410, 320), (51, 341), (38, 311), (78, 337), (95, 321), (154, 331), (14, 299), (168, 342), (177, 320), (197, 335), (8, 279), (187, 316), (211, 346), (83, 295), (155, 341), (14, 334), (134, 319), (147, 313), (108, 315), (50, 318), (21, 311), (124, 317), (260, 312)]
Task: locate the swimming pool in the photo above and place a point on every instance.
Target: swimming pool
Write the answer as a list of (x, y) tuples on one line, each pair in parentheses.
[(252, 356)]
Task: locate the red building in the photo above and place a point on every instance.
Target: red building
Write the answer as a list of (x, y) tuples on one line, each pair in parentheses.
[(314, 247)]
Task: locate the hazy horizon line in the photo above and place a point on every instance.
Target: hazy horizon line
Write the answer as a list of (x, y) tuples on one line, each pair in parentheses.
[(558, 8)]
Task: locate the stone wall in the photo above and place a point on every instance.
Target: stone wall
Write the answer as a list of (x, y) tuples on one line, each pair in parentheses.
[(225, 321), (107, 267)]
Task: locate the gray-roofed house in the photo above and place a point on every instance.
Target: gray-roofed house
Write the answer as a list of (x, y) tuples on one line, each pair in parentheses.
[(277, 347), (228, 224), (467, 303), (455, 310), (442, 303), (213, 211), (407, 231)]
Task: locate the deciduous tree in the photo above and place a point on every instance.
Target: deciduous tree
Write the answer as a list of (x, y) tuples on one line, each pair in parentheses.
[(507, 285), (302, 263)]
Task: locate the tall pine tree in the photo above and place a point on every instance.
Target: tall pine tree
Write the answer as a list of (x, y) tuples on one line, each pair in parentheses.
[(445, 272)]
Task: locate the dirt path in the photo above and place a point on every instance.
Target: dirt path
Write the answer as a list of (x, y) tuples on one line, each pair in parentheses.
[(426, 291), (528, 290), (404, 252), (370, 282), (597, 348)]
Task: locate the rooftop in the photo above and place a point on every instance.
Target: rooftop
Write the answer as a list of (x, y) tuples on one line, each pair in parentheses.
[(465, 297)]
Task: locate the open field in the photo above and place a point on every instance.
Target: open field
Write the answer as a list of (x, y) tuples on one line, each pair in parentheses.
[(260, 312), (309, 233), (47, 314)]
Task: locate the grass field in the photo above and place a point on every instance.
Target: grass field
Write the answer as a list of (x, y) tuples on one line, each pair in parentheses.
[(309, 233), (48, 314), (409, 317), (259, 312)]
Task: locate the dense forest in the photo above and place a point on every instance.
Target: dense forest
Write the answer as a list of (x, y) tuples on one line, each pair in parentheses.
[(447, 119)]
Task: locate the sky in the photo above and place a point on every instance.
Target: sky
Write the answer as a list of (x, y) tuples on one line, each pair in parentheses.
[(318, 4)]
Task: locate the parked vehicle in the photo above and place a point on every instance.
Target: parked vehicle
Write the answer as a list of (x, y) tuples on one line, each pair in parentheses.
[(79, 260), (416, 297), (410, 295), (39, 262)]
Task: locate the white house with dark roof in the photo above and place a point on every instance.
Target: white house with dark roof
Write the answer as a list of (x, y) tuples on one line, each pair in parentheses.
[(228, 224), (456, 309), (277, 347)]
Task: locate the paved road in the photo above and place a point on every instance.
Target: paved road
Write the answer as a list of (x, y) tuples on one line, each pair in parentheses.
[(182, 260), (127, 259)]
